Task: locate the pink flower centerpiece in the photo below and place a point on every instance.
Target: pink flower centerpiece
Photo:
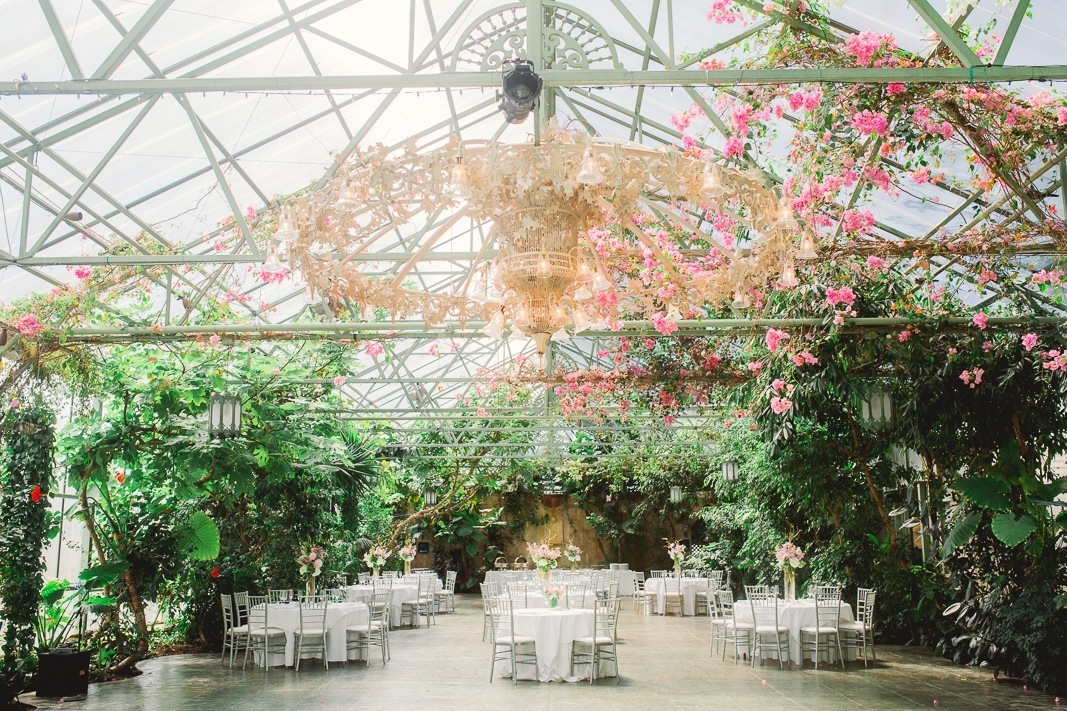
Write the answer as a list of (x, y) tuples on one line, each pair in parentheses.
[(544, 557), (311, 567), (573, 554), (407, 554), (375, 558), (789, 558), (676, 551)]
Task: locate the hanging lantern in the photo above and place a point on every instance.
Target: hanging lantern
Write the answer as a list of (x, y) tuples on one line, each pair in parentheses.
[(876, 410), (729, 470), (224, 416), (676, 495), (429, 495)]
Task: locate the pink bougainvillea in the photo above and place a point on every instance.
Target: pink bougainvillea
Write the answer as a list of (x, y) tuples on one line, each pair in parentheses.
[(339, 380), (870, 122), (774, 337), (374, 349), (1029, 341), (29, 325), (844, 295), (781, 404), (981, 320), (663, 324), (82, 272)]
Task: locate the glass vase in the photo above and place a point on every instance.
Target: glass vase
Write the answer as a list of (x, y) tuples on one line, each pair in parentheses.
[(309, 587), (678, 569), (407, 567), (552, 602), (789, 579)]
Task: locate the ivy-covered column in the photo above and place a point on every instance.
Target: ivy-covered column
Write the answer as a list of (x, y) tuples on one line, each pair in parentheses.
[(25, 478)]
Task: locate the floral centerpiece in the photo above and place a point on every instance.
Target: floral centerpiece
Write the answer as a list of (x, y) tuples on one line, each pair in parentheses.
[(572, 553), (311, 567), (544, 557), (789, 558), (553, 593), (407, 554), (375, 558), (677, 553)]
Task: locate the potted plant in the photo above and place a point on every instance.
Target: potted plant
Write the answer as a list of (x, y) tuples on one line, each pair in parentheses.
[(62, 667)]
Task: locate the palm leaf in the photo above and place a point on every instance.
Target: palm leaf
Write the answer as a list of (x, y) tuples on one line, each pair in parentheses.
[(199, 539)]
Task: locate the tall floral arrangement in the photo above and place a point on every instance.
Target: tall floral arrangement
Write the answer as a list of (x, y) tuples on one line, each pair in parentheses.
[(407, 554), (376, 557), (789, 558), (544, 557), (311, 567), (676, 551), (573, 554)]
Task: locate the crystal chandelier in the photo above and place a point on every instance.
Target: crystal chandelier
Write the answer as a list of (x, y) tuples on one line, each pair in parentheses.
[(542, 200)]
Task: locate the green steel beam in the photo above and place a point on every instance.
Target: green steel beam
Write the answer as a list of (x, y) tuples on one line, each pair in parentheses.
[(62, 41), (1009, 34), (949, 36), (131, 39), (552, 77)]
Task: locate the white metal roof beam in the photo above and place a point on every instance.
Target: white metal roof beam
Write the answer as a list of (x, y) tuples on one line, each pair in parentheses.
[(61, 40), (131, 39)]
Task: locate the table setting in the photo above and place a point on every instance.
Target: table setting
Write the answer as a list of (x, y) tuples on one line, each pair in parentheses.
[(339, 616), (554, 631)]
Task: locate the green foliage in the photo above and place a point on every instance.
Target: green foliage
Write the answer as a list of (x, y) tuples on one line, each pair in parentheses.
[(25, 481), (199, 538)]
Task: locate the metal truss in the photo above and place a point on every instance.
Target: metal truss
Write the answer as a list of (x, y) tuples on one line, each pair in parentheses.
[(617, 82)]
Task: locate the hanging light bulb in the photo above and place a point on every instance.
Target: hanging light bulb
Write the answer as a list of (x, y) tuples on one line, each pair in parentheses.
[(544, 267), (807, 247), (583, 293), (590, 171), (784, 216), (558, 313), (459, 184), (524, 314), (495, 327), (788, 278), (600, 282), (272, 265), (584, 271), (712, 187), (581, 320), (346, 199), (741, 300), (479, 289), (286, 231)]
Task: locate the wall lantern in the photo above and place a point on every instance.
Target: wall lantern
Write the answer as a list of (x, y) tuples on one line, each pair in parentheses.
[(676, 495), (876, 410), (224, 416), (729, 470), (429, 495)]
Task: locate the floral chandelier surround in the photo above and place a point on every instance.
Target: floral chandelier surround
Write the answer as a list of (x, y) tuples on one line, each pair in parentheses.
[(544, 201)]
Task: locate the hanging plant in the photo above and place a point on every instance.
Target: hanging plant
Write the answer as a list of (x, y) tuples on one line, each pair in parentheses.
[(25, 481)]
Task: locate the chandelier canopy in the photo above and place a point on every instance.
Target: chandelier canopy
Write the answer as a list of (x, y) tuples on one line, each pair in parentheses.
[(542, 200)]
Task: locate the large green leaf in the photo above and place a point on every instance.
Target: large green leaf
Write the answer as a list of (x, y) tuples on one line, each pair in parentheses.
[(53, 591), (98, 576), (984, 491), (199, 539), (961, 534), (1013, 531)]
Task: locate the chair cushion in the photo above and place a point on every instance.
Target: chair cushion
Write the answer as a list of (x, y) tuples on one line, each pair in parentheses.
[(770, 629), (589, 640), (857, 626), (272, 631), (818, 630), (311, 631), (519, 639), (243, 629), (741, 625)]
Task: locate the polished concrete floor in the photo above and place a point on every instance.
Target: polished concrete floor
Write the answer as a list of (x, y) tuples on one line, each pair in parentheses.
[(664, 664)]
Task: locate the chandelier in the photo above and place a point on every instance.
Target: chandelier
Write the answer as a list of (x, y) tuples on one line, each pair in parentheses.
[(542, 200)]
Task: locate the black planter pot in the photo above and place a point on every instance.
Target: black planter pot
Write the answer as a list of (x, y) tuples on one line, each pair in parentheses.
[(62, 672)]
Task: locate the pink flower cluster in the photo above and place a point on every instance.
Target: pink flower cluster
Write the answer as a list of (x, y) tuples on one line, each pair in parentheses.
[(1046, 277), (543, 555), (374, 349), (1029, 341), (29, 325), (876, 263), (734, 147), (981, 320), (789, 554), (972, 377), (922, 118), (844, 295), (867, 44), (339, 380), (781, 404), (870, 122), (804, 358), (807, 100), (1054, 360), (663, 324), (82, 272), (270, 277), (774, 337), (724, 12), (859, 221)]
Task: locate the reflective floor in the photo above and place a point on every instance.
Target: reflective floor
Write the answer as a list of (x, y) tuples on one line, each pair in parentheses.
[(664, 664)]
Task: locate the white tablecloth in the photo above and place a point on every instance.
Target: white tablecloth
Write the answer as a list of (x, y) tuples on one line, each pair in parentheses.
[(340, 615), (794, 615), (554, 630), (535, 600), (401, 594), (691, 587)]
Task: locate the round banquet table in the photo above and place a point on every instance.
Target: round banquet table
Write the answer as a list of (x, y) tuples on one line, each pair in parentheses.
[(554, 630), (339, 615), (691, 587), (401, 594), (536, 600), (794, 615)]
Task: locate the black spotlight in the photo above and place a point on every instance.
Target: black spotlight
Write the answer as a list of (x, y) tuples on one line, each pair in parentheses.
[(519, 90)]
